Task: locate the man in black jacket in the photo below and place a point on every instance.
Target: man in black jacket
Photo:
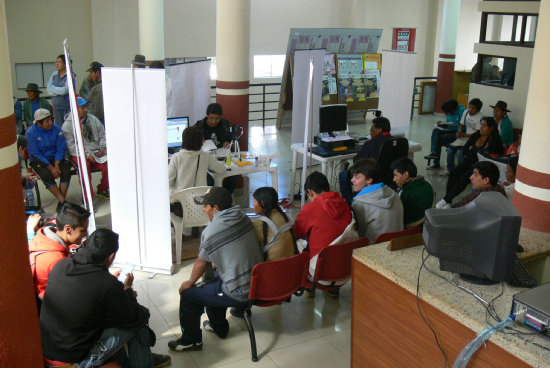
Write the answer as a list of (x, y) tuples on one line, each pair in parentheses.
[(88, 315), (214, 127)]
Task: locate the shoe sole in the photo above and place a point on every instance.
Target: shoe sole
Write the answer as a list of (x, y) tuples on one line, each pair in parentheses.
[(192, 347), (164, 364)]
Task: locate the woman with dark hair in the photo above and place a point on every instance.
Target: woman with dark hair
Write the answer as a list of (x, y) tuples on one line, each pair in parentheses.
[(485, 141), (274, 227), (188, 167), (59, 90)]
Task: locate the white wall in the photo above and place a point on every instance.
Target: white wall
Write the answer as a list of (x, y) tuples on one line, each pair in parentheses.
[(469, 25), (37, 28)]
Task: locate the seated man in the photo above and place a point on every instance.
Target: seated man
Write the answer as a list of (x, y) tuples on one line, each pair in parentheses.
[(445, 133), (230, 244), (484, 179), (326, 219), (416, 193), (510, 182), (377, 207), (95, 147), (33, 103), (215, 128), (379, 133), (51, 244), (104, 314)]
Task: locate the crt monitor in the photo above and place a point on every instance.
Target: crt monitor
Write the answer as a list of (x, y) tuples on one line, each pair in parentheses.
[(333, 118), (478, 241), (174, 128)]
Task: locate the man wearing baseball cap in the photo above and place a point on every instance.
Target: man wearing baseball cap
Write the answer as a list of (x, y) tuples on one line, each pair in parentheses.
[(230, 244), (96, 93), (95, 148)]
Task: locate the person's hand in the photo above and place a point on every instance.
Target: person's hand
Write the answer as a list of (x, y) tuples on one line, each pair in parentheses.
[(185, 285), (116, 273), (129, 281), (32, 222), (135, 293), (91, 159), (54, 171), (226, 144), (459, 135)]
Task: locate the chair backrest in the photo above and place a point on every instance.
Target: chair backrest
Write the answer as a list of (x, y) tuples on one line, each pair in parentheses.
[(275, 281), (334, 262), (398, 234), (391, 149), (193, 215)]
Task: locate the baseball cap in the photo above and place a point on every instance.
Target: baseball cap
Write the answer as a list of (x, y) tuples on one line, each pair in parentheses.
[(41, 114), (95, 67), (81, 101), (215, 196)]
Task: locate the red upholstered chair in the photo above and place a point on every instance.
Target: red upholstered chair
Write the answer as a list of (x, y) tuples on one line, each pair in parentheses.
[(54, 364), (334, 265), (398, 234), (273, 283)]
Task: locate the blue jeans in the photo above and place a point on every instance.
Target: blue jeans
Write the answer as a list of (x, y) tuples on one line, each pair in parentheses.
[(439, 139), (194, 301), (111, 343), (59, 115), (451, 152)]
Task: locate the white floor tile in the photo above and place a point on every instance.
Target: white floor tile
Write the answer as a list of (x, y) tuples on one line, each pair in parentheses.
[(316, 353)]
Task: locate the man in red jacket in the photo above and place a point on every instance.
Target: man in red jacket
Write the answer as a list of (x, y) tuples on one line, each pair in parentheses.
[(324, 219), (51, 244)]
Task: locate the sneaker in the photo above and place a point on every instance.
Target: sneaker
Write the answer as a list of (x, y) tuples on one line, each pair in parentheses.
[(235, 312), (433, 167), (160, 360), (103, 194), (183, 345), (430, 156), (442, 204)]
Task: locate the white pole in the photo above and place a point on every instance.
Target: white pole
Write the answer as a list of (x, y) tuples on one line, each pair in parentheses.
[(307, 133)]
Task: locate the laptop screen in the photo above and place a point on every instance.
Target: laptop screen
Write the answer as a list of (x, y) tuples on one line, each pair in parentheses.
[(174, 128)]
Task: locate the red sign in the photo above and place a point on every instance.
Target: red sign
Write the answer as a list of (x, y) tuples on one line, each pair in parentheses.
[(403, 39)]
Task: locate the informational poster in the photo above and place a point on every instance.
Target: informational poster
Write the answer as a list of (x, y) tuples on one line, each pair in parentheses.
[(372, 64), (344, 40), (403, 39), (351, 78)]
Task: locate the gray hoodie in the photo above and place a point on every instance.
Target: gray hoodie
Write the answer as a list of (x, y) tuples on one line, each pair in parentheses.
[(377, 213)]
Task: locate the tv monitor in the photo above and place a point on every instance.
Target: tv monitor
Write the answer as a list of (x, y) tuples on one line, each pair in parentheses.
[(333, 118), (478, 241), (174, 128)]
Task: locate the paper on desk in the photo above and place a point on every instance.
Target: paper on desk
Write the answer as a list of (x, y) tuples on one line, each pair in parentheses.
[(336, 139), (208, 145)]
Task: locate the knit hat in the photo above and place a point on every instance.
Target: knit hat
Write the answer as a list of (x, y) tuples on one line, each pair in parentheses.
[(215, 196), (41, 114)]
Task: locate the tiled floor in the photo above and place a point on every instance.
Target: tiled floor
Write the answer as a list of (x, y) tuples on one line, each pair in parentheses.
[(307, 332)]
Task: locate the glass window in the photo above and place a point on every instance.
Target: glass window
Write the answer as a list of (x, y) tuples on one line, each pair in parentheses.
[(513, 29), (496, 71), (268, 66)]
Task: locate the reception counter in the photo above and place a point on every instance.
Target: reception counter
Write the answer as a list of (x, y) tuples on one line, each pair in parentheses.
[(388, 330)]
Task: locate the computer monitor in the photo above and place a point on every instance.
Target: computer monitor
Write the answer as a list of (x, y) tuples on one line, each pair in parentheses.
[(333, 118), (478, 241), (174, 128)]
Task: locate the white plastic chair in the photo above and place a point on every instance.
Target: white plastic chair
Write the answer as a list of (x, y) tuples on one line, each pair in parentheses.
[(193, 215)]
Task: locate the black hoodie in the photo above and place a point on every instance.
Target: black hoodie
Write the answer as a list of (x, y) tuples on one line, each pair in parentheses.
[(82, 299)]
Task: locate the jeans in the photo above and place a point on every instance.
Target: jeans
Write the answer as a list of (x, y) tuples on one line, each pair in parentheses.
[(451, 152), (439, 139), (192, 304), (59, 115), (111, 344)]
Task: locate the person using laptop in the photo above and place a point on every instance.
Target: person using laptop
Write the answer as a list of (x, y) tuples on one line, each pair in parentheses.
[(95, 145), (214, 127)]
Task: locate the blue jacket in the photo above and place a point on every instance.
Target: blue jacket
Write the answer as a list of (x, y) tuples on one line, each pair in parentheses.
[(46, 145)]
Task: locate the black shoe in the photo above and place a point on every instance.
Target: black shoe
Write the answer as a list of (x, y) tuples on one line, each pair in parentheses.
[(182, 344), (208, 327), (59, 207), (433, 167), (160, 360), (235, 312), (430, 156)]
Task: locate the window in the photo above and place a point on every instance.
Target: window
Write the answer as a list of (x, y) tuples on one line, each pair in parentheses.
[(495, 71), (38, 73), (509, 29), (269, 66)]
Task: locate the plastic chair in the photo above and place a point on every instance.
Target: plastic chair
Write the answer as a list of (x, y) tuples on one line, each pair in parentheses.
[(334, 265), (391, 150), (398, 234), (193, 215), (272, 283)]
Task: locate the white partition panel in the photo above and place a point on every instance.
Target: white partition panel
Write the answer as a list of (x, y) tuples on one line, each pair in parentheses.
[(397, 87), (190, 87), (135, 124)]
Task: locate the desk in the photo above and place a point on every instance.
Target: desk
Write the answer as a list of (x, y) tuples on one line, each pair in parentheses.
[(245, 170), (388, 331), (327, 163)]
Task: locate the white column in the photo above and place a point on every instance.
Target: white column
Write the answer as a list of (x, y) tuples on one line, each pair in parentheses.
[(151, 29)]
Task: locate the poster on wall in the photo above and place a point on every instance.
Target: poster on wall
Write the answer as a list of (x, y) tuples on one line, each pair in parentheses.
[(343, 40), (403, 39)]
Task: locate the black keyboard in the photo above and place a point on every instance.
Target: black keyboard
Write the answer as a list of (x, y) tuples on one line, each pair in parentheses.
[(521, 276)]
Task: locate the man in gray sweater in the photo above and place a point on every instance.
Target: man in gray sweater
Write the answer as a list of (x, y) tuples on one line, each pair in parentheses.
[(230, 244)]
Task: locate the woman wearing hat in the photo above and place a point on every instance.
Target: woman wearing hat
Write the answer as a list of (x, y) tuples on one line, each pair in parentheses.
[(46, 146), (33, 103), (500, 110)]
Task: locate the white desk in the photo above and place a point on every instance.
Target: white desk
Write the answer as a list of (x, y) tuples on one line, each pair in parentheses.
[(245, 170), (327, 163)]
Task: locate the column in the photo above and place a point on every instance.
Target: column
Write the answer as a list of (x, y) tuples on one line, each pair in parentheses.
[(447, 49), (151, 29), (19, 329), (532, 188), (233, 61)]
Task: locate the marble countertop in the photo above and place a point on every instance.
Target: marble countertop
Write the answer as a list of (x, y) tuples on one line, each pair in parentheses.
[(403, 266), (535, 244)]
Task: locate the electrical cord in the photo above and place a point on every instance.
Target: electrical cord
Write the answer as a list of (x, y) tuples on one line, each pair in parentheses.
[(420, 309)]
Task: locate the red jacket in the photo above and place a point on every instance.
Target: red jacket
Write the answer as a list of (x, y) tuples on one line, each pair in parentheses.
[(44, 253), (322, 220)]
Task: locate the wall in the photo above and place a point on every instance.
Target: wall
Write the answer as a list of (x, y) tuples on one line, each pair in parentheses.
[(468, 33), (37, 28)]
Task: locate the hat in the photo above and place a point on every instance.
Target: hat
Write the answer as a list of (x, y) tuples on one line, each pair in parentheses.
[(95, 67), (215, 196), (33, 87), (81, 101), (139, 60), (501, 105), (41, 114)]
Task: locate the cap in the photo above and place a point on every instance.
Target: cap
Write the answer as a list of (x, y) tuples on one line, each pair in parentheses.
[(95, 67), (215, 196), (81, 101), (41, 114)]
